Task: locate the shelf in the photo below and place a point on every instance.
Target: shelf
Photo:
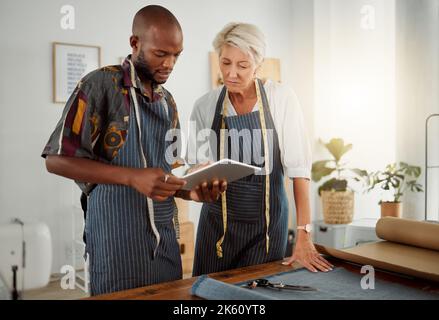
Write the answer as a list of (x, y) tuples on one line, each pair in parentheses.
[(427, 166)]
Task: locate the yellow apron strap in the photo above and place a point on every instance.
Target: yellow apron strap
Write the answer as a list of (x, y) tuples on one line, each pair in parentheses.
[(219, 250), (267, 164)]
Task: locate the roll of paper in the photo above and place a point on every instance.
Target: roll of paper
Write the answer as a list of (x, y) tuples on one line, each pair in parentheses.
[(411, 232)]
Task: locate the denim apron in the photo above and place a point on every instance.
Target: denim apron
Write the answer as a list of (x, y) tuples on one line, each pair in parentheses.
[(129, 247), (245, 240)]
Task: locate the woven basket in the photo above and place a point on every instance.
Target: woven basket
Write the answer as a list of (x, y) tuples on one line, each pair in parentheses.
[(338, 206)]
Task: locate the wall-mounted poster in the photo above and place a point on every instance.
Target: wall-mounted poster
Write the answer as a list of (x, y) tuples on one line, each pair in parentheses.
[(270, 69), (70, 63)]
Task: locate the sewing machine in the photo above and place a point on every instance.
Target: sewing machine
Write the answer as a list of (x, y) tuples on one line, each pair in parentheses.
[(25, 257)]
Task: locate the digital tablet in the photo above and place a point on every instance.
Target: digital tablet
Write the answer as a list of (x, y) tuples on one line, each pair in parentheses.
[(225, 169)]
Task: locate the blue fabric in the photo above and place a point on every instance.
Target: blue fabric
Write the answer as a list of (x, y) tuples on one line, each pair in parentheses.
[(211, 289), (338, 284)]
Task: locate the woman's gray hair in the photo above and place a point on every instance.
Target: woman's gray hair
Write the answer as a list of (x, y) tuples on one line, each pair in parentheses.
[(244, 36)]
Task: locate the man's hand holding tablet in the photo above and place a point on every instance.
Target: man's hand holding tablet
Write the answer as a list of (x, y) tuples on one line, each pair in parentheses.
[(206, 191), (206, 182)]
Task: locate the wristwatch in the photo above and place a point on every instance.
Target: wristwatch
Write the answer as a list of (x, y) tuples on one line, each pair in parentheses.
[(307, 228)]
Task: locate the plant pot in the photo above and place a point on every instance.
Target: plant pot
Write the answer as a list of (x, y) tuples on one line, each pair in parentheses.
[(391, 209), (338, 206)]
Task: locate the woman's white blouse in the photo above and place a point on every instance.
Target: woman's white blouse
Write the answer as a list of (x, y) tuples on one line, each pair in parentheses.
[(288, 120)]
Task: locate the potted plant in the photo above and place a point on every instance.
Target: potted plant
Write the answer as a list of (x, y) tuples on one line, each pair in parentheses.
[(336, 192), (395, 179)]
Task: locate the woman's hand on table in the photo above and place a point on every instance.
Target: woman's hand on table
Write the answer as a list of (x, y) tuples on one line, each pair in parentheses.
[(306, 254)]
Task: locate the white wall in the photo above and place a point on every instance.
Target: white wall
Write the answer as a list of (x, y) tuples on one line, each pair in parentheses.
[(301, 46), (417, 76), (375, 88), (354, 89), (27, 29)]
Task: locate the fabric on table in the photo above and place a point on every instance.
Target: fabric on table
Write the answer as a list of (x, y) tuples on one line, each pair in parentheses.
[(338, 284), (212, 289), (341, 284)]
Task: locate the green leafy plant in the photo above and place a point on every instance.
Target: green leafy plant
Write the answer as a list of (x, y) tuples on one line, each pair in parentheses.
[(396, 178), (339, 175)]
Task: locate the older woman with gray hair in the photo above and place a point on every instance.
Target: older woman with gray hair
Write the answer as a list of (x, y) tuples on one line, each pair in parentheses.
[(248, 223)]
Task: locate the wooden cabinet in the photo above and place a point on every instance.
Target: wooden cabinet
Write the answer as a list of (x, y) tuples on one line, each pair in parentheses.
[(187, 237), (187, 244)]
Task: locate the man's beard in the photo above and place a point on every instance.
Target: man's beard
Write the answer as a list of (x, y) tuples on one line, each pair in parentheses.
[(143, 69)]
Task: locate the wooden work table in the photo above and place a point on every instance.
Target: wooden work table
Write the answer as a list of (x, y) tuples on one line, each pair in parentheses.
[(181, 289)]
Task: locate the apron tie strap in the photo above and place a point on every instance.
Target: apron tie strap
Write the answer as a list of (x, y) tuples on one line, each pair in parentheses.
[(267, 164), (219, 249), (145, 165)]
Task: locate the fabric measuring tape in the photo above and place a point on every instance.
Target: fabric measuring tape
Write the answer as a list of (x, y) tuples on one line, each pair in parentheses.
[(219, 249)]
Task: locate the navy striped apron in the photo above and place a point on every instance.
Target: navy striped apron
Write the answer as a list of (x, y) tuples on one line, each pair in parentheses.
[(120, 237), (244, 243)]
